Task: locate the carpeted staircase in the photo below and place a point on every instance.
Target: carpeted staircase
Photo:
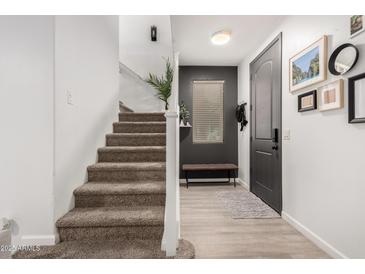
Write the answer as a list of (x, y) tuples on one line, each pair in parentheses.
[(119, 212), (125, 193)]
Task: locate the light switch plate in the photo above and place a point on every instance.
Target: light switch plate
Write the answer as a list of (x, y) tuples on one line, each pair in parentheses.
[(286, 134), (69, 97)]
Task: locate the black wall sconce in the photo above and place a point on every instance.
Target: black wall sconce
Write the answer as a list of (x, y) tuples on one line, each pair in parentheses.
[(153, 33)]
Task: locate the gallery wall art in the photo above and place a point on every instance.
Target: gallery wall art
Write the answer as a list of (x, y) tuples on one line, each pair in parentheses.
[(309, 66), (357, 99), (307, 101), (356, 25), (330, 96)]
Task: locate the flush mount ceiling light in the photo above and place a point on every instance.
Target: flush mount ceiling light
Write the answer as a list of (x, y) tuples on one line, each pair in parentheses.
[(221, 37)]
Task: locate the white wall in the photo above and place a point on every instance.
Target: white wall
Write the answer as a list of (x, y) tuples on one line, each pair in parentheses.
[(47, 143), (87, 67), (137, 51), (26, 118), (244, 136), (323, 163), (135, 93), (142, 56)]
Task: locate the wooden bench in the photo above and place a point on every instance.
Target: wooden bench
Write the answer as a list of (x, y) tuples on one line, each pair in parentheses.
[(210, 167)]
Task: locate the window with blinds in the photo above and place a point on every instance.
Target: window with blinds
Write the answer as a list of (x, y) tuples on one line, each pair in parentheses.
[(208, 112)]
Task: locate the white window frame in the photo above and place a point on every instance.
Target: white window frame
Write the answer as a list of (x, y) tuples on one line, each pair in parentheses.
[(195, 124)]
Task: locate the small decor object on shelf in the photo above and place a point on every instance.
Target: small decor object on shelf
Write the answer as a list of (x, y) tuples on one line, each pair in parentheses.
[(356, 25), (184, 114), (163, 84), (330, 96), (357, 99), (187, 124), (307, 101), (343, 59), (309, 66)]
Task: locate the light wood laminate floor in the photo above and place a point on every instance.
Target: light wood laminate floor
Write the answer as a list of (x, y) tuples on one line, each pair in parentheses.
[(209, 226)]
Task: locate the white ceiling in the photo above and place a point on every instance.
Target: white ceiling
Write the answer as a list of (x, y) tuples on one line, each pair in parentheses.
[(191, 37)]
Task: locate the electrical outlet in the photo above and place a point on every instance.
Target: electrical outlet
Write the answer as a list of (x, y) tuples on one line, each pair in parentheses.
[(286, 134)]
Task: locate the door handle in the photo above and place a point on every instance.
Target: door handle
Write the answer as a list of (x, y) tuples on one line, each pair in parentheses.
[(275, 137), (275, 147)]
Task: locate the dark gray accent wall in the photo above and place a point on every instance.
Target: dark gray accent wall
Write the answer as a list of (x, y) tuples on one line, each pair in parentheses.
[(209, 153)]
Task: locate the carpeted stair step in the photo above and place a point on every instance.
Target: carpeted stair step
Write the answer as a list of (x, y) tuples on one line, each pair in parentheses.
[(126, 172), (112, 223), (107, 249), (139, 127), (105, 194), (142, 117), (132, 154), (136, 139)]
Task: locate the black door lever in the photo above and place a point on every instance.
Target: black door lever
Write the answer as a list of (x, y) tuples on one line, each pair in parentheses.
[(275, 147), (275, 137)]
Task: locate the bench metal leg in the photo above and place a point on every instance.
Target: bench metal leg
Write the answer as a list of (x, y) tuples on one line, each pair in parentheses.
[(234, 178), (187, 180)]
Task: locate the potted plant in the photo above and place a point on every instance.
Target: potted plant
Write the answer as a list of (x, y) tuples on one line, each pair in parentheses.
[(184, 113), (163, 84)]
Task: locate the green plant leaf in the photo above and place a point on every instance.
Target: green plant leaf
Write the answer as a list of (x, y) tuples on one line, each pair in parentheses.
[(162, 84)]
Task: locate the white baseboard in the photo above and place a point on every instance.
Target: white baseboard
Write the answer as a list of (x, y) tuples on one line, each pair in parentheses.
[(30, 240), (243, 183), (318, 241)]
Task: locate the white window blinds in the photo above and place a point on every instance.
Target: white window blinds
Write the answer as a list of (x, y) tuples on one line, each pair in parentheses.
[(208, 112)]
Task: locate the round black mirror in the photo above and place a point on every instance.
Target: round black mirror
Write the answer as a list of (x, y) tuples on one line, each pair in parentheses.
[(343, 59)]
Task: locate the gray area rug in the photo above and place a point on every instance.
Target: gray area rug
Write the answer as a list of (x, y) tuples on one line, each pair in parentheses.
[(246, 205)]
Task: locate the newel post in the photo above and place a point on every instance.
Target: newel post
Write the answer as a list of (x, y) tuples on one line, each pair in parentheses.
[(171, 233)]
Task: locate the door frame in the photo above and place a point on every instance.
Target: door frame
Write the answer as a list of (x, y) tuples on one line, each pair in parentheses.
[(278, 38)]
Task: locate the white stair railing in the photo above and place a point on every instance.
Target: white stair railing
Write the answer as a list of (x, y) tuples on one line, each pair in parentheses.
[(172, 209)]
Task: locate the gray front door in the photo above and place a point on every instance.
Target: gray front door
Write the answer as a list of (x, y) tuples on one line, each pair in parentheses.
[(265, 150)]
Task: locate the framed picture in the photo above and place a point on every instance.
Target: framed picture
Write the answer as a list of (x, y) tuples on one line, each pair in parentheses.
[(356, 25), (307, 101), (357, 99), (308, 66), (330, 96)]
